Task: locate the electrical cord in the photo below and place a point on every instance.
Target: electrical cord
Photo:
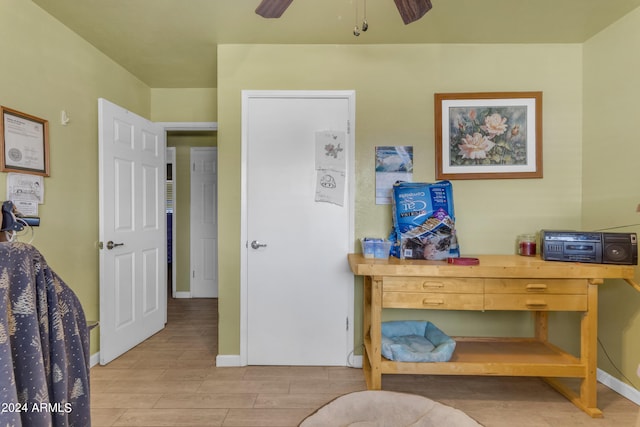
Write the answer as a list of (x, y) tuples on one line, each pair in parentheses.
[(617, 227), (614, 365), (30, 228)]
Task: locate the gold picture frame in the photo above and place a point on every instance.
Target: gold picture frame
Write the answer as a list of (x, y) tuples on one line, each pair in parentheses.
[(24, 143), (488, 135)]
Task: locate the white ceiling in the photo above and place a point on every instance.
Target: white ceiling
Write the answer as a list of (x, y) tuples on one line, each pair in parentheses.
[(172, 43)]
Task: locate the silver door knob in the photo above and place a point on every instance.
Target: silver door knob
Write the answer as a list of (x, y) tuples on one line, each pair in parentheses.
[(111, 245), (255, 245)]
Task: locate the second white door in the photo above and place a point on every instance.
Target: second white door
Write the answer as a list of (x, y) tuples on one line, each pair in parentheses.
[(204, 224), (298, 284)]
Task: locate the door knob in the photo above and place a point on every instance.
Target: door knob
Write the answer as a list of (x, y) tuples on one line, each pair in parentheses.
[(111, 245), (255, 245)]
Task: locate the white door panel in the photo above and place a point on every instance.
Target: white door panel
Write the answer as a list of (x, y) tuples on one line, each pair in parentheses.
[(204, 227), (132, 272), (299, 287)]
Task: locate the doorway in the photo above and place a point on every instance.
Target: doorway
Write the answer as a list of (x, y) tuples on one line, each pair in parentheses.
[(181, 137)]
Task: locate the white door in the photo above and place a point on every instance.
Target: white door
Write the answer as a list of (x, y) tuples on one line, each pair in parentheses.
[(299, 299), (204, 225), (133, 290)]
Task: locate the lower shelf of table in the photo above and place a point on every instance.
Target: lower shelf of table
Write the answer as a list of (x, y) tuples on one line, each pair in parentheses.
[(493, 356)]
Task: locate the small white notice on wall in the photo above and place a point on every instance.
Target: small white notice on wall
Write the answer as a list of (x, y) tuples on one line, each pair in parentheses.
[(26, 192), (331, 166)]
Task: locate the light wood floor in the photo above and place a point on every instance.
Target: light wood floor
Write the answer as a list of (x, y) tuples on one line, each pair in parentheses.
[(171, 380)]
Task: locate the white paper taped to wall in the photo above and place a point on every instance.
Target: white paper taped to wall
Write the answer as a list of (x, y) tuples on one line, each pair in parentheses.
[(26, 192)]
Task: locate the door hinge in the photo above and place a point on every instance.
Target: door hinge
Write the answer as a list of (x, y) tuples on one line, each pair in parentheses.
[(347, 323), (193, 274), (349, 126)]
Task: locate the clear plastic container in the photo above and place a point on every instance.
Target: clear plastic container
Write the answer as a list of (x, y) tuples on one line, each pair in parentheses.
[(381, 249), (375, 247), (527, 245), (368, 248)]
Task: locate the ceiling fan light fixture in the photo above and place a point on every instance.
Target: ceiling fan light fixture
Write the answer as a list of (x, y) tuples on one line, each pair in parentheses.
[(412, 10), (272, 8)]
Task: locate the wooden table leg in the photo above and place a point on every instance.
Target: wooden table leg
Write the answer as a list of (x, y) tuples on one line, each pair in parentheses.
[(589, 351), (373, 319), (541, 320), (366, 330), (586, 398)]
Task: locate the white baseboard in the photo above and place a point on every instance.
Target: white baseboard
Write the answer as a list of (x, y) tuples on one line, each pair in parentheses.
[(228, 360), (618, 386), (183, 294), (233, 360), (356, 362), (94, 359)]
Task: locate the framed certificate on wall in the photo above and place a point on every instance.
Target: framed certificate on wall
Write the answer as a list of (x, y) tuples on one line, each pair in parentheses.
[(24, 143)]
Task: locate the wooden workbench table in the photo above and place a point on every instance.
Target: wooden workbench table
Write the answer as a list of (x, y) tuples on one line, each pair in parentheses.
[(499, 282)]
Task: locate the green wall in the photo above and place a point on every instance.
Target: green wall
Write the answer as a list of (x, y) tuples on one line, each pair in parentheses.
[(611, 178), (394, 87), (184, 105), (45, 69)]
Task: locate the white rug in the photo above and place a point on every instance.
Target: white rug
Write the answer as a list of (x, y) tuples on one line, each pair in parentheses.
[(373, 408)]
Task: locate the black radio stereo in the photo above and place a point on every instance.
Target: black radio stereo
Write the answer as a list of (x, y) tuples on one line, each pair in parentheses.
[(593, 247)]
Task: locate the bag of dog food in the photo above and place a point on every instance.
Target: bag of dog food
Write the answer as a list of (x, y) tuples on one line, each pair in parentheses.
[(423, 221)]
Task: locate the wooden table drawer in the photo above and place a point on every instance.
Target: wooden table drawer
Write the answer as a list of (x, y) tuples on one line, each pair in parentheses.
[(536, 286), (433, 284), (535, 302), (434, 301)]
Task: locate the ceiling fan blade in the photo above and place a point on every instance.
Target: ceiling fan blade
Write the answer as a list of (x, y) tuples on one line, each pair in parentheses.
[(272, 8), (412, 10)]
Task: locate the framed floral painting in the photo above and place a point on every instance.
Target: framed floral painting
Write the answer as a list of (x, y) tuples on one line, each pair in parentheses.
[(490, 135)]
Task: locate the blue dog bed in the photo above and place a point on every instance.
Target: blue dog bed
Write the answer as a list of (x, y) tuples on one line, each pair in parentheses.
[(415, 341)]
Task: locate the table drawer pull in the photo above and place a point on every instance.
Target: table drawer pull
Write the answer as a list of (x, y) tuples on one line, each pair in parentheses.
[(536, 304), (428, 301), (536, 287), (432, 285)]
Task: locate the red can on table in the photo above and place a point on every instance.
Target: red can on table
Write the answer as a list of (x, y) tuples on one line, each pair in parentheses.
[(527, 245)]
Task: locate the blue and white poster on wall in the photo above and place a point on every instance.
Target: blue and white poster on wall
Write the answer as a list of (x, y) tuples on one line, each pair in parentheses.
[(393, 163)]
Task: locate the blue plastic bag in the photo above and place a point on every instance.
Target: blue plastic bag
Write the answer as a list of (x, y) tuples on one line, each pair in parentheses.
[(423, 221)]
